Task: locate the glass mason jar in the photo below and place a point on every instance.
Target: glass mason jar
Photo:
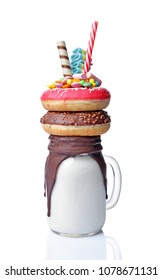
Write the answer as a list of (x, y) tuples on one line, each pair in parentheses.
[(76, 185)]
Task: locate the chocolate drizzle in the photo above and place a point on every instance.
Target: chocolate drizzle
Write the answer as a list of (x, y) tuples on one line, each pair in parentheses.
[(63, 147)]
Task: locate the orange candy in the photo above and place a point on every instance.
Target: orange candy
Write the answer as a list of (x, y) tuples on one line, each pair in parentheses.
[(66, 86), (76, 80)]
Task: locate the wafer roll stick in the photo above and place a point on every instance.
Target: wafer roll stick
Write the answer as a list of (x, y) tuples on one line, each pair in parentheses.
[(63, 54)]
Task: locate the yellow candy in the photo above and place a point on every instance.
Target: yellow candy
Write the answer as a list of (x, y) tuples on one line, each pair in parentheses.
[(76, 80), (93, 84), (51, 86), (69, 81), (92, 81)]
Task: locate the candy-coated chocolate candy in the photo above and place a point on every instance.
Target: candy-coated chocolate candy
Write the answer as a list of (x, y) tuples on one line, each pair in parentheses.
[(66, 86), (58, 85), (51, 86), (64, 82), (91, 76), (91, 81), (82, 82), (86, 84), (83, 76), (69, 81), (76, 80), (76, 85)]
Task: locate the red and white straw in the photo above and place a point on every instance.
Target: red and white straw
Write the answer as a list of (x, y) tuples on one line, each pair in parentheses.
[(87, 63)]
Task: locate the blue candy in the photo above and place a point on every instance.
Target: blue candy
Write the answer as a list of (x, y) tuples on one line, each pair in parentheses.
[(79, 50), (77, 61)]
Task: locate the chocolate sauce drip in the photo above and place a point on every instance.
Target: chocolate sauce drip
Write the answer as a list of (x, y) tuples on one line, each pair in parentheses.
[(63, 147)]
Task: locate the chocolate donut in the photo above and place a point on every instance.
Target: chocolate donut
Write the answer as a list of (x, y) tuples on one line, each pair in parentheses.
[(88, 123)]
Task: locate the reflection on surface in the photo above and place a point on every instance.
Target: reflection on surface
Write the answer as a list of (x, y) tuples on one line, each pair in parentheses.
[(96, 247)]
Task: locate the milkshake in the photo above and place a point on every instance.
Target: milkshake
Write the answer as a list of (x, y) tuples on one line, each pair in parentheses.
[(78, 198), (75, 185), (75, 170)]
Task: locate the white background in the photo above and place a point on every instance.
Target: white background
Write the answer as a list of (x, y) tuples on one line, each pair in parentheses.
[(127, 56)]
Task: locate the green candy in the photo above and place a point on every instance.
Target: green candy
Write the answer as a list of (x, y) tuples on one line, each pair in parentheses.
[(82, 82), (86, 84)]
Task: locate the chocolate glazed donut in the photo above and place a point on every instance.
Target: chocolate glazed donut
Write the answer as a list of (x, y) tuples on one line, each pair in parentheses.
[(61, 148), (87, 123)]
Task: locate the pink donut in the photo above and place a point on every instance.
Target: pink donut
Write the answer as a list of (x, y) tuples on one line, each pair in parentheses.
[(75, 99)]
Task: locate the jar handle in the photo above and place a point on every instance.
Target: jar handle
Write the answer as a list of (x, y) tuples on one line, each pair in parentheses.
[(115, 247), (112, 201)]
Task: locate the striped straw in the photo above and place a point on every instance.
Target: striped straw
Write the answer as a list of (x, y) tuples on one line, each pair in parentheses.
[(87, 63), (65, 64)]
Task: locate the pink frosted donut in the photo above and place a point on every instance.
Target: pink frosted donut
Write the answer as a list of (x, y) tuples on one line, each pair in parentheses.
[(75, 99)]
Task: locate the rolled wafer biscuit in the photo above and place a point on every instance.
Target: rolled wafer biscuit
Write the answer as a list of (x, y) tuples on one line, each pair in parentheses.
[(63, 54)]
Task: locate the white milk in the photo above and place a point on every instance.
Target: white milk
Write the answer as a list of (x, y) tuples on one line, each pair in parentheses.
[(78, 204)]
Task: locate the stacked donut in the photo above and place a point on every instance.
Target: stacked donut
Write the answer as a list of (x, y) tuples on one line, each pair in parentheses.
[(75, 107)]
